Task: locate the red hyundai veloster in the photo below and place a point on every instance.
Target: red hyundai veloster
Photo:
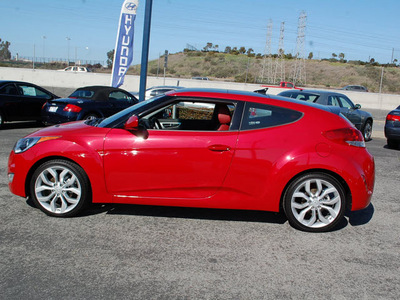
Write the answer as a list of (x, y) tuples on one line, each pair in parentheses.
[(202, 148)]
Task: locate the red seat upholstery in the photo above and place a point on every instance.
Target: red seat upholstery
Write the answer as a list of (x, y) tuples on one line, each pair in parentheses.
[(224, 117)]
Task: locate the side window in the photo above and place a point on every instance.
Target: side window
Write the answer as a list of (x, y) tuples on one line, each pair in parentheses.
[(332, 100), (263, 116), (191, 115), (289, 85), (346, 103), (9, 89), (31, 91), (118, 95)]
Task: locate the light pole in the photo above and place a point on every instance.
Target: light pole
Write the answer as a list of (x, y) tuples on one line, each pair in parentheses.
[(68, 39), (44, 38)]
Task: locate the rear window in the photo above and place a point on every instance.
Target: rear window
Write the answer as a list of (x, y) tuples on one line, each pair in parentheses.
[(86, 94), (263, 116)]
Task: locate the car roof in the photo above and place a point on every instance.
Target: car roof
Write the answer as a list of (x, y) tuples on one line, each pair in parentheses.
[(166, 87), (100, 92), (244, 96), (14, 81), (315, 92)]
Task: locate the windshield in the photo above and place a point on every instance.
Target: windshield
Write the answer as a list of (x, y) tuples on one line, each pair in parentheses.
[(121, 117)]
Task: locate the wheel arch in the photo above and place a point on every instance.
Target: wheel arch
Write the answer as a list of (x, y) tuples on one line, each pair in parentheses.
[(44, 160), (98, 113), (340, 179)]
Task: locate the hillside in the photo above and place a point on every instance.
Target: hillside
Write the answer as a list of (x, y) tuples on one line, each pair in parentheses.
[(230, 67)]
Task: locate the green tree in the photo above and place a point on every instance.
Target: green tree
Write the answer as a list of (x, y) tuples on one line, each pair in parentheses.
[(4, 51), (250, 51), (242, 50), (110, 58), (208, 46), (310, 55), (228, 49)]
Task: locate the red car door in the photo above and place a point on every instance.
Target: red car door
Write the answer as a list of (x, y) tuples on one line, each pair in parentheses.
[(168, 163)]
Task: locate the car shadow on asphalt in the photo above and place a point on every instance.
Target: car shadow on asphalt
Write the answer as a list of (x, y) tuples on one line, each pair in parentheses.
[(354, 218), (361, 217), (186, 213)]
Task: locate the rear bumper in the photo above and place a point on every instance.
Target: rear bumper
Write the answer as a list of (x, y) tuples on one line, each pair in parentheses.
[(392, 132), (52, 119), (362, 188)]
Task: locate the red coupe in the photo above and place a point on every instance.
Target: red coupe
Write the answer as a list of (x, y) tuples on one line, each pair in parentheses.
[(202, 148)]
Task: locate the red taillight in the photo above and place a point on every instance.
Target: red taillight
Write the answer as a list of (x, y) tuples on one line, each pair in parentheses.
[(346, 136), (72, 108), (393, 118), (44, 104)]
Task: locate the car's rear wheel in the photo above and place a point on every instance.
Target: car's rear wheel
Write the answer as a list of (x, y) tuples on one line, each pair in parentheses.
[(367, 130), (314, 202), (60, 188), (392, 143)]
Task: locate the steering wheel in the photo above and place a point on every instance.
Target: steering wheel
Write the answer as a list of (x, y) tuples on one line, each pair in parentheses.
[(155, 124)]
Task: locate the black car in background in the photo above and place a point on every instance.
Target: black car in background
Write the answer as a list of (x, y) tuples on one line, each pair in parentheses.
[(22, 101), (392, 128), (87, 103), (361, 119), (355, 88)]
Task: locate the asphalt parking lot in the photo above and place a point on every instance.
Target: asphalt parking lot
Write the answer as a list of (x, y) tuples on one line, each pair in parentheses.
[(139, 252)]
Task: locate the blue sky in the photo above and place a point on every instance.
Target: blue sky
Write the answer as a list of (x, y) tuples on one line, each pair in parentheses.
[(359, 29)]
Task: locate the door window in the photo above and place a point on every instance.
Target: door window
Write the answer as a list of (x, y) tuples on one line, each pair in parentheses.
[(191, 115), (332, 100), (118, 95), (9, 89), (346, 103)]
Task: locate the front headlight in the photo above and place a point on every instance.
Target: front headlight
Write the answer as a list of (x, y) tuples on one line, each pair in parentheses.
[(24, 144)]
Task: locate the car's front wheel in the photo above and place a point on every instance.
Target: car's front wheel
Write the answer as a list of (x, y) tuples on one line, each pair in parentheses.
[(60, 188), (314, 202), (367, 130)]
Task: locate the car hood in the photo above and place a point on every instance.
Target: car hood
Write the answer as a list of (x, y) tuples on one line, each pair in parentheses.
[(71, 129)]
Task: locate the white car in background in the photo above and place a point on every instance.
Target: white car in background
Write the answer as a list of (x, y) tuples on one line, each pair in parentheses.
[(76, 69), (157, 90)]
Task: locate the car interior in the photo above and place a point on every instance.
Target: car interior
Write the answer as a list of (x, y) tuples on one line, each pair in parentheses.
[(189, 115)]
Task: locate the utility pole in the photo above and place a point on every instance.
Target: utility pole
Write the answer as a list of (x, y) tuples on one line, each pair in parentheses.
[(299, 70), (68, 39), (280, 61), (145, 49), (165, 63), (267, 61)]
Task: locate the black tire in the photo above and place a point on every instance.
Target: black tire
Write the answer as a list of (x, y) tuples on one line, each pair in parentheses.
[(367, 130), (309, 207), (60, 188), (1, 120), (392, 144)]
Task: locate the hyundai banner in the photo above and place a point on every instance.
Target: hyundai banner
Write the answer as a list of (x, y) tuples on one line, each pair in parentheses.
[(123, 54)]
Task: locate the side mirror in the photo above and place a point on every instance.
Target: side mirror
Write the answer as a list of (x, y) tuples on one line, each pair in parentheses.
[(357, 106), (132, 124)]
